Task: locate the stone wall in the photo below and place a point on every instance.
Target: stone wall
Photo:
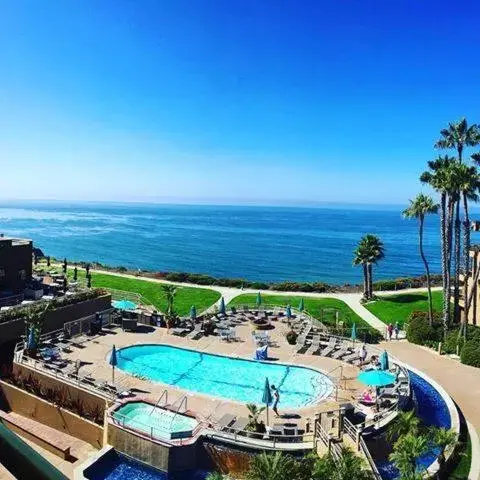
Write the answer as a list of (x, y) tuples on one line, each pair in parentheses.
[(44, 412)]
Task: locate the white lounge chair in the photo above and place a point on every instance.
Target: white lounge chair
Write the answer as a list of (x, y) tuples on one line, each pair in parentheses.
[(329, 348)]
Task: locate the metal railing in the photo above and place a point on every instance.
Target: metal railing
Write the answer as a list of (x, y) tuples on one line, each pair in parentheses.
[(363, 447), (164, 394)]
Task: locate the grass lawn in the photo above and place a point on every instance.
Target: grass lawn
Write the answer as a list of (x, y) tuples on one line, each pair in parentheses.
[(202, 298), (397, 308), (317, 307)]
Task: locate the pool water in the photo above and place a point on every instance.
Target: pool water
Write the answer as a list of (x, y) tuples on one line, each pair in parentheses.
[(114, 466), (155, 421), (225, 377), (432, 411)]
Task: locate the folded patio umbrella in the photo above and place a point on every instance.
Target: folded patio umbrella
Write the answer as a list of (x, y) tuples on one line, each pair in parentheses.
[(259, 299), (267, 395), (193, 313), (221, 308), (354, 332), (301, 307), (113, 362), (384, 361), (288, 311)]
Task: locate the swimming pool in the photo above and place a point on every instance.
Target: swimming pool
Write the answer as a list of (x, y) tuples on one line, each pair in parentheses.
[(234, 379), (155, 421)]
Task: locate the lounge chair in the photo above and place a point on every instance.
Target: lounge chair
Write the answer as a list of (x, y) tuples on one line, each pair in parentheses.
[(315, 346), (342, 351), (196, 333), (240, 423), (329, 348), (226, 421), (352, 357), (300, 345)]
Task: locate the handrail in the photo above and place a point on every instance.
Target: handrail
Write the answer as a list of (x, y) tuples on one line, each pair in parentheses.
[(366, 452), (164, 394), (182, 400)]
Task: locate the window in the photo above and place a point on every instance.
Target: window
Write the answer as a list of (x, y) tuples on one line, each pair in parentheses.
[(22, 274)]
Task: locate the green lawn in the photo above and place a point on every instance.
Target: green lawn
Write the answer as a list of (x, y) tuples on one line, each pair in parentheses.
[(397, 308), (202, 298), (321, 308)]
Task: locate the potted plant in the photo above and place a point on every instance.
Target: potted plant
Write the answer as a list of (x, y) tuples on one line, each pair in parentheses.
[(291, 337), (254, 413)]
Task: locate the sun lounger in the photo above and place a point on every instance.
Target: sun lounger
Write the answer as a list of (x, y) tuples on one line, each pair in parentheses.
[(341, 352), (240, 424), (226, 421), (352, 357), (196, 333), (315, 346), (329, 348)]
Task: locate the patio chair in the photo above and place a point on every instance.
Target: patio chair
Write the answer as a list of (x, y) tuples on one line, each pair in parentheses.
[(344, 349), (352, 357), (225, 335), (329, 348), (226, 421), (301, 343), (196, 333), (240, 424), (315, 345)]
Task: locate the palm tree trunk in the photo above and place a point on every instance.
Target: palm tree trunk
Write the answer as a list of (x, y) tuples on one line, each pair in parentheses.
[(370, 281), (444, 255), (365, 281), (466, 254), (449, 241), (456, 293), (427, 273)]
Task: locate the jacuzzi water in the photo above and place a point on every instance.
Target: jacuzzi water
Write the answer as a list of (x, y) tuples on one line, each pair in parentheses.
[(155, 421), (432, 411), (225, 377), (114, 466)]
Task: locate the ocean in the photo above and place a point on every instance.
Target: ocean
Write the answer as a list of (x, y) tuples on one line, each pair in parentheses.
[(255, 243)]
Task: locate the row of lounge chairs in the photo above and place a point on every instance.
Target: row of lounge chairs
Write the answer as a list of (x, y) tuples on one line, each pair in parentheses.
[(339, 350)]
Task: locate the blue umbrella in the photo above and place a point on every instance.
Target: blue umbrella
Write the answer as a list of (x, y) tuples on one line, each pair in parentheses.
[(221, 308), (124, 305), (31, 343), (301, 306), (288, 312), (193, 313), (259, 299), (354, 332), (376, 378), (113, 362), (267, 395), (384, 361)]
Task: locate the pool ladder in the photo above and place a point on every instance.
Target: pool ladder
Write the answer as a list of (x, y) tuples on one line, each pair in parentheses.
[(163, 395), (183, 400)]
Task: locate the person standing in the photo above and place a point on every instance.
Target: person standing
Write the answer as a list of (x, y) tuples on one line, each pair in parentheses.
[(389, 331), (396, 330), (276, 399), (362, 354)]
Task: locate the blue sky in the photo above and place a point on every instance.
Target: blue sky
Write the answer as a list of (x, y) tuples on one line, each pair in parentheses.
[(287, 101)]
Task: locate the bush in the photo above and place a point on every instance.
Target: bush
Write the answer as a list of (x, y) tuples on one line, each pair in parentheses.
[(471, 353), (291, 337), (449, 345), (420, 332)]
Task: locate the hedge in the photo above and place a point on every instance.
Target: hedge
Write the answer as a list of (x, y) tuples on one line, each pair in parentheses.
[(470, 354), (419, 330)]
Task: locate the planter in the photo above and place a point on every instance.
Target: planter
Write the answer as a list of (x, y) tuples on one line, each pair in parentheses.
[(260, 325)]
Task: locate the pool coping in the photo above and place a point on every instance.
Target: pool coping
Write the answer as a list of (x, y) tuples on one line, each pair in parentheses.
[(78, 472), (236, 357)]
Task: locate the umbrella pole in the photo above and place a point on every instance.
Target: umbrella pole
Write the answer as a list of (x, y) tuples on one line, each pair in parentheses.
[(113, 374), (267, 416)]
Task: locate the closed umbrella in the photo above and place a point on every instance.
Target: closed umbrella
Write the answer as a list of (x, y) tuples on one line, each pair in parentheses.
[(267, 395), (384, 361), (31, 343), (193, 313), (376, 378), (259, 299), (113, 362), (301, 307), (354, 332), (221, 308), (288, 312)]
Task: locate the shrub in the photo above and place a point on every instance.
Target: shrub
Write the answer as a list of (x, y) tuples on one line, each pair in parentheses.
[(450, 343), (420, 332), (291, 337), (471, 353)]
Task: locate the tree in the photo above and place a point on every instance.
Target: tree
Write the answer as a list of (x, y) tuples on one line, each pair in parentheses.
[(254, 413), (348, 466), (439, 178), (405, 423), (443, 439), (406, 450), (217, 476), (275, 466), (370, 251), (457, 136), (421, 206), (170, 290)]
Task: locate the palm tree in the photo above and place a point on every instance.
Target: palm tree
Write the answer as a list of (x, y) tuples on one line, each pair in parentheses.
[(370, 250), (439, 178), (217, 476), (254, 413), (405, 423), (407, 449), (348, 466), (469, 185), (444, 439), (458, 135), (275, 466), (421, 206), (170, 290)]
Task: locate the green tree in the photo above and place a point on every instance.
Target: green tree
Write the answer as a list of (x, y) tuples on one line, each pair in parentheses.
[(275, 466), (405, 423), (458, 135), (369, 251), (217, 476), (444, 439), (348, 466), (170, 290), (419, 207), (439, 178), (406, 450), (254, 413)]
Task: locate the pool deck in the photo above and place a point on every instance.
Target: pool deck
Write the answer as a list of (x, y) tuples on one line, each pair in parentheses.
[(208, 408)]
